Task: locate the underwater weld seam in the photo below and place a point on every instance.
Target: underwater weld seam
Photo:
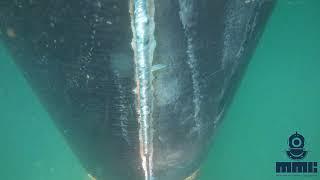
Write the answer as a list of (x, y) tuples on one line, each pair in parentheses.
[(143, 44)]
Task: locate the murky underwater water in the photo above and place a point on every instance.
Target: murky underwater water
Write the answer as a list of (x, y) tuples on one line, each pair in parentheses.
[(279, 94)]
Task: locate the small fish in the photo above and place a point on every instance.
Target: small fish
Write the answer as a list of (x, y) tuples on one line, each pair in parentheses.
[(91, 177), (158, 67)]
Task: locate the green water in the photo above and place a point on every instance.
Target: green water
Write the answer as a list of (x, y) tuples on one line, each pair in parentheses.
[(31, 146), (280, 94)]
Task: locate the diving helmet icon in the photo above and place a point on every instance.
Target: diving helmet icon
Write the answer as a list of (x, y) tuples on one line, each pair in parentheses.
[(296, 147)]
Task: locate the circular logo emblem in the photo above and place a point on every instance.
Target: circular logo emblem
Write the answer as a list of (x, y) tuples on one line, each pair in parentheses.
[(296, 147)]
